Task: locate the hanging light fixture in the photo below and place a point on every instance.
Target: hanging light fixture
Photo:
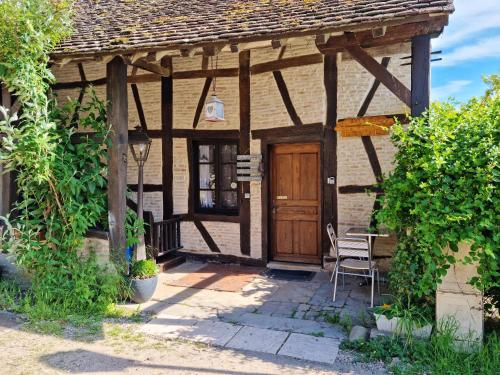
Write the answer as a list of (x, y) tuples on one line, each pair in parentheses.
[(214, 109)]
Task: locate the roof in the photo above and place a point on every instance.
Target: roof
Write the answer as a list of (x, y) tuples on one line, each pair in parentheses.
[(106, 26)]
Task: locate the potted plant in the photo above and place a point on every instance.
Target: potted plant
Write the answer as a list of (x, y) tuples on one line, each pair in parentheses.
[(143, 280), (404, 321)]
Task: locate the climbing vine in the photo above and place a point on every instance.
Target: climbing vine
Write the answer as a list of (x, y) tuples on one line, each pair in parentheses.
[(443, 191), (60, 182)]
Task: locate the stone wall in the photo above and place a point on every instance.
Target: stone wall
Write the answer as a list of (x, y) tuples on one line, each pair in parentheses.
[(305, 85)]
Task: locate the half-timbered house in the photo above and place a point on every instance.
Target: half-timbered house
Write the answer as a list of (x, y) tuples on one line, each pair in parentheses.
[(310, 89)]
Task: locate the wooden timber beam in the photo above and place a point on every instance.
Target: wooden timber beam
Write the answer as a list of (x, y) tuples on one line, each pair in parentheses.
[(359, 189), (289, 62), (285, 95), (138, 105), (201, 102), (288, 131), (244, 148), (167, 109), (206, 236), (147, 188), (75, 116), (116, 89), (207, 73), (150, 67), (380, 73), (79, 84), (369, 97), (393, 35), (267, 67), (330, 208), (420, 74)]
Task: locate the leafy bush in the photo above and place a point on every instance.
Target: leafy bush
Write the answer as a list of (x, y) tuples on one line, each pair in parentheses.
[(144, 269), (61, 184), (443, 191)]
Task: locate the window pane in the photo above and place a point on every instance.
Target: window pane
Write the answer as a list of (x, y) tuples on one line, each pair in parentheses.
[(207, 199), (228, 176), (229, 199), (206, 153), (207, 176), (228, 153)]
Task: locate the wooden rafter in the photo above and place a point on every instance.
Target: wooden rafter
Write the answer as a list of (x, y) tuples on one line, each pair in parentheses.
[(285, 95), (393, 35), (201, 102)]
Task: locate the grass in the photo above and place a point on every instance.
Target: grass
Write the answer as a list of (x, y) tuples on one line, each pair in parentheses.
[(318, 334), (438, 356)]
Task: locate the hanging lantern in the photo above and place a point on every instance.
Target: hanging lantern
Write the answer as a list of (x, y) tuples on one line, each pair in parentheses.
[(214, 109)]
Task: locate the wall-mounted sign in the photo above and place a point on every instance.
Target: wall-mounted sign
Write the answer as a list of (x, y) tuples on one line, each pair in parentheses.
[(365, 126), (249, 167)]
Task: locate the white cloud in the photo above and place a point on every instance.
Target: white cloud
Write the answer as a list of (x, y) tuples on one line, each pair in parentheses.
[(449, 89), (469, 20), (482, 49)]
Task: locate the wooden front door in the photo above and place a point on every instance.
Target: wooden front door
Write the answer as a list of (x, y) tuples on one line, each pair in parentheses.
[(295, 203)]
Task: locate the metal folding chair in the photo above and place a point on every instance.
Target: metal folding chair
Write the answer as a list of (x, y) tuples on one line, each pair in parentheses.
[(352, 253)]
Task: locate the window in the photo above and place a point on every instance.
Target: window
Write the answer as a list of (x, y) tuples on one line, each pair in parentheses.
[(216, 188)]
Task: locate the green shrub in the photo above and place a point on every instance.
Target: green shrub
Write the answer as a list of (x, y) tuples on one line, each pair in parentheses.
[(443, 191), (144, 269)]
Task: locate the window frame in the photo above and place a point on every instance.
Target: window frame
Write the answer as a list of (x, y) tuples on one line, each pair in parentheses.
[(218, 164)]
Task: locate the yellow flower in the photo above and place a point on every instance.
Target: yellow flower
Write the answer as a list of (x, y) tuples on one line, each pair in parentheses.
[(386, 306)]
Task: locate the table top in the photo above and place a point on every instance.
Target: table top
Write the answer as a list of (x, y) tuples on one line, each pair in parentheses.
[(366, 232)]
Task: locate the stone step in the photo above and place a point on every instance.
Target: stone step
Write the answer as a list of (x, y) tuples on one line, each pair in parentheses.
[(289, 266), (167, 262), (307, 327)]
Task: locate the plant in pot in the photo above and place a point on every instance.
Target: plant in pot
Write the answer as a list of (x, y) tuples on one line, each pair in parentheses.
[(143, 280)]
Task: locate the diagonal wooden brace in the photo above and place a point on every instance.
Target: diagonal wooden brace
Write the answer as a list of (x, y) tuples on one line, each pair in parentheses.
[(381, 73)]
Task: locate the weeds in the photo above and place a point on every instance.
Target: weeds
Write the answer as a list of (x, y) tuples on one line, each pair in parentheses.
[(439, 355)]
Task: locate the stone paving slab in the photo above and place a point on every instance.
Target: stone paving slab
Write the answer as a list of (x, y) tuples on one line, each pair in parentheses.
[(258, 340), (169, 328), (291, 325), (213, 333), (310, 348), (186, 312), (281, 309), (295, 291)]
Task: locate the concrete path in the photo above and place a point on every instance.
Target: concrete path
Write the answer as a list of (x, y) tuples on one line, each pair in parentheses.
[(295, 319)]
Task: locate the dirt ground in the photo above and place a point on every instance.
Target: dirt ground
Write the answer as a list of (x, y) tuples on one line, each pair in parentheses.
[(114, 347)]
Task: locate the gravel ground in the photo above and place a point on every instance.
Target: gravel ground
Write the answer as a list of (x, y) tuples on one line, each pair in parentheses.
[(114, 347)]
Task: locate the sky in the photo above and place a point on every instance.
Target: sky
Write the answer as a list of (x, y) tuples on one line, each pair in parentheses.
[(471, 49)]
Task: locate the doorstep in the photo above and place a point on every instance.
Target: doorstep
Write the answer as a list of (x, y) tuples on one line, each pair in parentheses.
[(290, 266)]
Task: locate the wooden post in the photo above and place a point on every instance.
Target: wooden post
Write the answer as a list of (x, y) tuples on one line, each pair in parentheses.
[(330, 212), (244, 90), (116, 89), (167, 110), (420, 74)]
